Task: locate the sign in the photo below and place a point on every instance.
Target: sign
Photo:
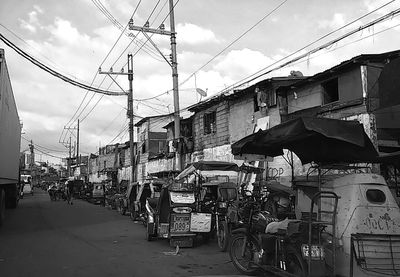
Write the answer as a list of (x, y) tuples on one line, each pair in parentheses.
[(182, 197), (200, 222)]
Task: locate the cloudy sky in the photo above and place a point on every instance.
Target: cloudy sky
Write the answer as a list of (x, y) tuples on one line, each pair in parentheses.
[(219, 42)]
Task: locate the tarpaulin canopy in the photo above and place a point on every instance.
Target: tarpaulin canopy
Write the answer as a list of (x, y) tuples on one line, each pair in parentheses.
[(312, 139)]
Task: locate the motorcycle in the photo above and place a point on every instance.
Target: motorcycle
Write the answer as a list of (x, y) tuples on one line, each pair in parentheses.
[(263, 243)]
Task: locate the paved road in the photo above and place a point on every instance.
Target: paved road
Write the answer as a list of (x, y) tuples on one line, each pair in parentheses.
[(46, 238)]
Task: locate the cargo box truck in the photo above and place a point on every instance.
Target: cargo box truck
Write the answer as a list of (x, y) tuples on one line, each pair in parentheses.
[(10, 140)]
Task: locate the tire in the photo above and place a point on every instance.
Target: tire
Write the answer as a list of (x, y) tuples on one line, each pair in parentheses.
[(149, 236), (13, 203), (133, 215), (2, 206), (295, 263), (223, 235), (248, 264)]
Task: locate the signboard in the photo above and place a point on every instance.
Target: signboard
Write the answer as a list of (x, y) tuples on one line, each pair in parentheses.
[(182, 197), (200, 222)]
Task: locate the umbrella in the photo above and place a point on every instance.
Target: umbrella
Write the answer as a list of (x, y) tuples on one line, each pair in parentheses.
[(320, 140)]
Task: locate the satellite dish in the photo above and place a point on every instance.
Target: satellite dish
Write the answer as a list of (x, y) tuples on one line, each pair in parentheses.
[(201, 92)]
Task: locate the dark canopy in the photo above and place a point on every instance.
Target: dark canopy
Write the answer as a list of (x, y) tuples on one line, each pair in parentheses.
[(215, 165), (319, 140)]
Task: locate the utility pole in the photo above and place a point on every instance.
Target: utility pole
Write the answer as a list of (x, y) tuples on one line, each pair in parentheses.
[(77, 146), (129, 113), (173, 64), (69, 159), (131, 116)]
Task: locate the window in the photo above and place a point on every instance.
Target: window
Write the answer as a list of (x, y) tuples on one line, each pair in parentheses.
[(376, 196), (271, 99), (330, 91), (143, 147), (209, 121)]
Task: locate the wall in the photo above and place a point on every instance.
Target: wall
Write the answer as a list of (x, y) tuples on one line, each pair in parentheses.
[(218, 153), (221, 136), (305, 97), (243, 119)]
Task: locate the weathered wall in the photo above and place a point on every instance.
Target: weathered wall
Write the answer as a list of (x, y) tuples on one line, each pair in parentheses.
[(221, 136), (306, 97), (241, 118), (218, 153)]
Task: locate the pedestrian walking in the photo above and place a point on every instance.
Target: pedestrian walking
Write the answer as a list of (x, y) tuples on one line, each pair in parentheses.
[(70, 191)]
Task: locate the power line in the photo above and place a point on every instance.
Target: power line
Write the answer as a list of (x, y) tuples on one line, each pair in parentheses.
[(124, 52), (258, 74), (105, 58), (53, 72), (39, 146), (234, 41)]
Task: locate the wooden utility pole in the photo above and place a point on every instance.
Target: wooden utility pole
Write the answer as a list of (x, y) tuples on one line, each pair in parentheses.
[(173, 64), (69, 159), (129, 113), (77, 146), (131, 116)]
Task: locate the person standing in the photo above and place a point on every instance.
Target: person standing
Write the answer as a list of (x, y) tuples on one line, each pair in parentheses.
[(70, 191)]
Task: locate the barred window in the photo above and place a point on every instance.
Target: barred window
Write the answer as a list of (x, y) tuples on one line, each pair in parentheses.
[(209, 121)]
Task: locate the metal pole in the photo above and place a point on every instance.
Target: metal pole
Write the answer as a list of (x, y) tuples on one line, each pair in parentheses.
[(174, 64), (130, 115)]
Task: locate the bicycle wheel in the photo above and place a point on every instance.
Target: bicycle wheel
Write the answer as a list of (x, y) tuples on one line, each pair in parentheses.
[(245, 253)]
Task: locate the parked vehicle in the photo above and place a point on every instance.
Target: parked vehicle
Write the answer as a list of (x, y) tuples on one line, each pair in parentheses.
[(219, 201), (10, 141), (98, 194), (367, 232), (27, 189), (171, 216), (361, 237), (186, 207), (111, 197), (149, 190), (264, 244)]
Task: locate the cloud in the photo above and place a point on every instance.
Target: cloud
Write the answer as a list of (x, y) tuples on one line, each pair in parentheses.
[(194, 35), (338, 20), (32, 23), (240, 63)]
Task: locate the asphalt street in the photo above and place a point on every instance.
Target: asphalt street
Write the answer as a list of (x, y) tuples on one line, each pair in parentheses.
[(51, 238)]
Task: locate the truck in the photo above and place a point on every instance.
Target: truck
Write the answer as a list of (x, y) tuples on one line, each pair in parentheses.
[(10, 141)]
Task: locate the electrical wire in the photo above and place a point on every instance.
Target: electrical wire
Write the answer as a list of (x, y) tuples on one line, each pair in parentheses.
[(37, 145), (234, 41), (259, 73), (53, 72), (105, 58), (122, 54)]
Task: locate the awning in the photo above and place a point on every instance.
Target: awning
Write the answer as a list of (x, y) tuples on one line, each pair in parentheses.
[(312, 139), (207, 165)]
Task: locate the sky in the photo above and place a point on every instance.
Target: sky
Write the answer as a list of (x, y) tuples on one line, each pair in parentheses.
[(220, 43)]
